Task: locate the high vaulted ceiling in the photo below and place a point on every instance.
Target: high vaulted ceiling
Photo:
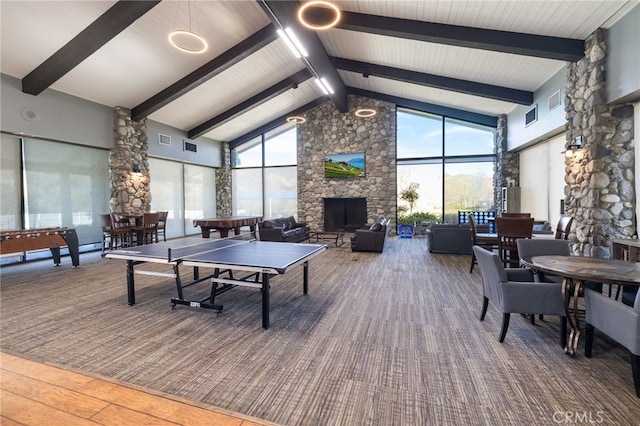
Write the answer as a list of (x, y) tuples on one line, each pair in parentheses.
[(484, 57)]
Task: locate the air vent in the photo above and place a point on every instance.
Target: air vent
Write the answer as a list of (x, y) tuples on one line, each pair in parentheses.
[(164, 139), (531, 116), (554, 100), (189, 146)]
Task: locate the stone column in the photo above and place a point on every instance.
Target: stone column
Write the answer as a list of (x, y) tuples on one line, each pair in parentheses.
[(599, 191), (130, 191), (223, 183), (507, 167)]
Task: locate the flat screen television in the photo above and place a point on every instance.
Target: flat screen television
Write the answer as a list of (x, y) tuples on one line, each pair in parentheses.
[(344, 165)]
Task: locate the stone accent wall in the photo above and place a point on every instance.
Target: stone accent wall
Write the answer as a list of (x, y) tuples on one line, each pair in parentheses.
[(507, 167), (328, 131), (599, 191), (130, 191), (223, 183)]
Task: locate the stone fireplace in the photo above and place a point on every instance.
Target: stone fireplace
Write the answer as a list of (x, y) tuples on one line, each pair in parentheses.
[(344, 213), (333, 132)]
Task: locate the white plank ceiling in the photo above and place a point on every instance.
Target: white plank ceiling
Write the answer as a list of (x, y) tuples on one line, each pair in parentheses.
[(139, 63)]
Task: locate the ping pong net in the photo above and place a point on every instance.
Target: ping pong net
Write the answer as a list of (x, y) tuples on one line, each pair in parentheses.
[(193, 250)]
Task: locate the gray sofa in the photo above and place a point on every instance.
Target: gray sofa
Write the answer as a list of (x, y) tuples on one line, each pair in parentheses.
[(449, 238), (371, 238), (283, 229)]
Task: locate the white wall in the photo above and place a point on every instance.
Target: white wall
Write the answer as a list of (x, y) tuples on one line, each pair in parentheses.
[(60, 117), (542, 179), (623, 58), (549, 122)]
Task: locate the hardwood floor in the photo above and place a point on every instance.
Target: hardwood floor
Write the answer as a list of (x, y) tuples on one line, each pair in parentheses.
[(32, 393)]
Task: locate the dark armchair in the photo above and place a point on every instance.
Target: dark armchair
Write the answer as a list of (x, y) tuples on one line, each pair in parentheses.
[(371, 239)]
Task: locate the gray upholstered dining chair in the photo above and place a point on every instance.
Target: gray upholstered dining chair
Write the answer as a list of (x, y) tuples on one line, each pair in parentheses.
[(528, 248), (513, 290), (607, 315)]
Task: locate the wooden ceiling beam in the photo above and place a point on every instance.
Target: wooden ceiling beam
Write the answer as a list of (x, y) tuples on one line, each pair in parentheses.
[(506, 94), (472, 117), (88, 41), (279, 88), (284, 15), (224, 61), (277, 122), (559, 48)]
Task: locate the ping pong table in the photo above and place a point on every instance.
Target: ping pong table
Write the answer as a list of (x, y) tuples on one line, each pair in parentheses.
[(258, 261)]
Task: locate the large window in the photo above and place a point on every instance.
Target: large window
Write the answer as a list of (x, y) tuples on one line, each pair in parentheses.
[(186, 191), (449, 164), (264, 176), (51, 184)]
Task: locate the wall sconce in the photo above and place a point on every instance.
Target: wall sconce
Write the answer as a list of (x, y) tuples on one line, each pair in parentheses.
[(136, 168), (573, 147)]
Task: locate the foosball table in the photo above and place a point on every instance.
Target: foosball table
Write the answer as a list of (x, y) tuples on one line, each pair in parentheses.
[(38, 239)]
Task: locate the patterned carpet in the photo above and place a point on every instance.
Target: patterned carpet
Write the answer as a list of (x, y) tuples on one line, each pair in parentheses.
[(381, 339)]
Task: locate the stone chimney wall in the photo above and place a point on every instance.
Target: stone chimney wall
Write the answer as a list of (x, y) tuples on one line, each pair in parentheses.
[(328, 131), (599, 191), (130, 191)]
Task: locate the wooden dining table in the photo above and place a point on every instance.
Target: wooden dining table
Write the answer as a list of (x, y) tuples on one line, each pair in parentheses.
[(576, 271)]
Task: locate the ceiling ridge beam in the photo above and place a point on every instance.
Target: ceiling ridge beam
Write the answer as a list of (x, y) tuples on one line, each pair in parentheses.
[(284, 14), (506, 94), (548, 47), (222, 62), (277, 122), (277, 89), (472, 117), (88, 41)]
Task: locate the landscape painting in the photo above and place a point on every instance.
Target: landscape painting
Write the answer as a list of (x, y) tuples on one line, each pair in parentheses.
[(344, 165)]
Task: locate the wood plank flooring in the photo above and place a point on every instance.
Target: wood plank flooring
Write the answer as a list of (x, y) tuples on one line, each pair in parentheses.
[(33, 393)]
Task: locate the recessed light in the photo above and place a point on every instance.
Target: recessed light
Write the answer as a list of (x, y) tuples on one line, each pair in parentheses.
[(296, 119), (365, 112)]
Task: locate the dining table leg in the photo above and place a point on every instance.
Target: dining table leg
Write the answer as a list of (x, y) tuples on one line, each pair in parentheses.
[(567, 292), (571, 290)]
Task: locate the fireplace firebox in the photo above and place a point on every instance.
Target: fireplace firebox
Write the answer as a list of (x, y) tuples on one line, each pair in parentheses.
[(348, 214)]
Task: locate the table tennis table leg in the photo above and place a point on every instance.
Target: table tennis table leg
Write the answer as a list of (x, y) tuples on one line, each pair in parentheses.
[(131, 292), (305, 278), (265, 300)]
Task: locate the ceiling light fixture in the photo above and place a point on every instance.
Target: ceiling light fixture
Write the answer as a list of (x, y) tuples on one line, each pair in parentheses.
[(293, 43), (365, 112), (319, 7), (324, 85), (187, 40), (296, 120)]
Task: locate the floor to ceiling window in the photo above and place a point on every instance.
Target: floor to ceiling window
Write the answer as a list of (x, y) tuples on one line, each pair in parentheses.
[(264, 175), (48, 184), (186, 191), (447, 165)]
